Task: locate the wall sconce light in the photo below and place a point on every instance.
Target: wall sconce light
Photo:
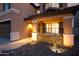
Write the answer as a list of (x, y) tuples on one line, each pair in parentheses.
[(30, 26)]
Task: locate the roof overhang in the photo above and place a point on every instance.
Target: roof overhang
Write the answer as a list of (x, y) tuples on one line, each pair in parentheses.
[(35, 5), (55, 12)]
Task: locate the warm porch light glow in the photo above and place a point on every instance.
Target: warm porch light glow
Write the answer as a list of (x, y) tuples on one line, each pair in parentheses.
[(30, 26), (34, 36), (52, 28), (68, 40), (55, 28)]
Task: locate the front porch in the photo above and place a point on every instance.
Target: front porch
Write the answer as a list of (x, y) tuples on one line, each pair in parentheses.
[(54, 26), (50, 30), (54, 30)]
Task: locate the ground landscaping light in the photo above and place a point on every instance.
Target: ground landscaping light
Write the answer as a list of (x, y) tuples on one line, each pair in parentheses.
[(57, 50)]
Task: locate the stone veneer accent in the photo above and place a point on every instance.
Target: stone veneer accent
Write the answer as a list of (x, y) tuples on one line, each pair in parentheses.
[(68, 40), (14, 36)]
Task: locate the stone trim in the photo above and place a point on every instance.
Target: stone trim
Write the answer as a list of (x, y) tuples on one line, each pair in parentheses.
[(68, 16), (12, 10), (35, 21), (14, 36), (5, 20), (68, 40), (34, 36)]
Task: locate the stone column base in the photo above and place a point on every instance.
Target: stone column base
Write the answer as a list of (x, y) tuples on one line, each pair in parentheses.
[(14, 36), (68, 40), (34, 36)]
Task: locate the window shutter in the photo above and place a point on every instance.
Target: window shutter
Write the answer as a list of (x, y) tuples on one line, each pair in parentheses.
[(9, 5), (44, 28), (61, 28)]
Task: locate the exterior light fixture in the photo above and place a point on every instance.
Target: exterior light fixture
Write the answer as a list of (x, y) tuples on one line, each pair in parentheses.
[(30, 26)]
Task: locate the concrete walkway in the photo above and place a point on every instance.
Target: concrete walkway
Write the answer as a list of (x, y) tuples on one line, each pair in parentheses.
[(15, 44)]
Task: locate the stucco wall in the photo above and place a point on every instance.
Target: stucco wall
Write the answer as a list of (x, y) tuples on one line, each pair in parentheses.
[(67, 25), (18, 24), (68, 36), (24, 8)]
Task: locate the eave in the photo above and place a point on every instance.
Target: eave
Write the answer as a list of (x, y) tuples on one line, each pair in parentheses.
[(56, 11), (36, 7)]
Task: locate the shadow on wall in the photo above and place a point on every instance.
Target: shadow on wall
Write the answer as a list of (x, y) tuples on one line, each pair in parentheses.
[(76, 27)]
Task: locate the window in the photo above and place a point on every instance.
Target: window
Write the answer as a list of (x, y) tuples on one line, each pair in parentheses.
[(55, 5), (6, 6), (62, 5), (47, 5), (52, 28), (38, 11)]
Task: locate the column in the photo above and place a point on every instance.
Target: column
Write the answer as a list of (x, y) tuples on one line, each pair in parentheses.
[(68, 36), (35, 29)]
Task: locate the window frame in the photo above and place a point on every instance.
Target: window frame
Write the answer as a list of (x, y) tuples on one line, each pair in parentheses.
[(62, 5), (50, 29), (6, 6)]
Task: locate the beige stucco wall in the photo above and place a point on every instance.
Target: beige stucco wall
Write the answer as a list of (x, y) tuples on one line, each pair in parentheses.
[(18, 24), (67, 25), (68, 36), (25, 9)]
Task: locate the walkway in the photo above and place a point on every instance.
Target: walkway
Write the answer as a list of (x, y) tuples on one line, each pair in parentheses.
[(15, 44)]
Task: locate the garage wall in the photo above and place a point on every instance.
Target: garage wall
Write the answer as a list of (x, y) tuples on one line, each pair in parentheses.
[(17, 23), (25, 9)]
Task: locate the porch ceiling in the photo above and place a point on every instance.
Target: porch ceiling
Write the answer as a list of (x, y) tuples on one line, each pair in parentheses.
[(51, 19)]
